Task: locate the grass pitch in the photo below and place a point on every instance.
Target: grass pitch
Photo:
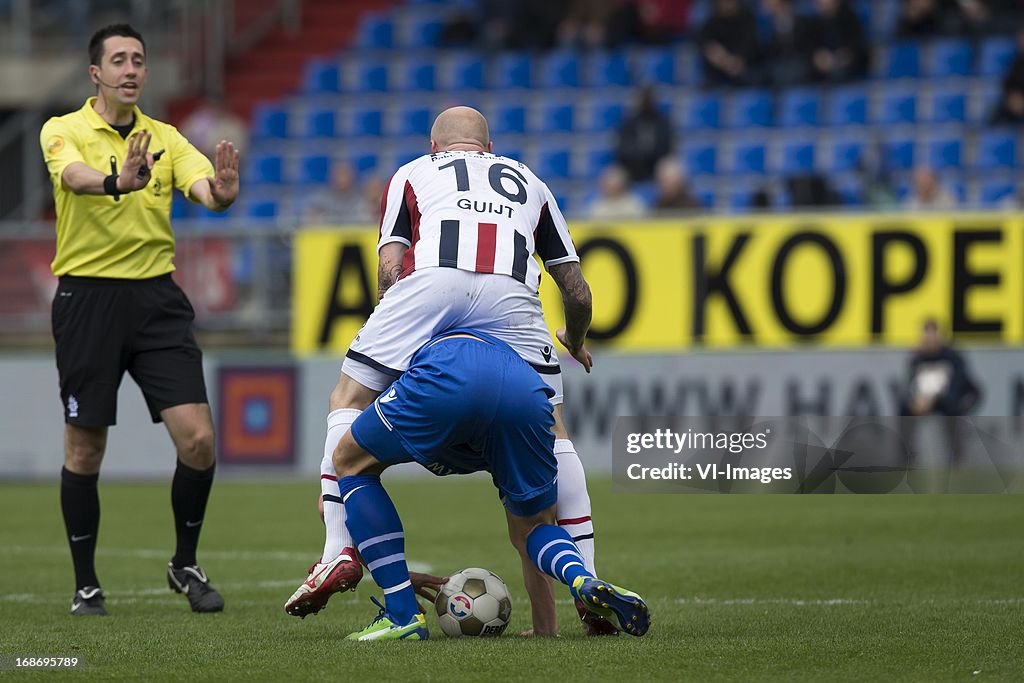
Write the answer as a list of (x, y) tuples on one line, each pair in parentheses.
[(740, 588)]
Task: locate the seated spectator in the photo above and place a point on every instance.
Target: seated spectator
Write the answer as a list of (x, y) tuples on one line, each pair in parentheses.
[(373, 196), (644, 137), (672, 192), (616, 199), (784, 51), (660, 21), (341, 202), (1010, 109), (597, 24), (938, 380), (811, 190), (212, 122), (728, 44), (927, 194), (524, 24), (921, 19), (460, 29), (839, 49)]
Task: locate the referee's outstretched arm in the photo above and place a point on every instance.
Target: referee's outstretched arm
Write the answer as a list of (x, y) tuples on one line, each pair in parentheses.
[(219, 192)]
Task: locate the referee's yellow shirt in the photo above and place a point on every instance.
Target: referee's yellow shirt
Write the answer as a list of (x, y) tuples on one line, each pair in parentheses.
[(96, 235)]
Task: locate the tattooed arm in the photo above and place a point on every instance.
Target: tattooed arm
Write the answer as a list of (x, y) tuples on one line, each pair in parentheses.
[(578, 303), (390, 266)]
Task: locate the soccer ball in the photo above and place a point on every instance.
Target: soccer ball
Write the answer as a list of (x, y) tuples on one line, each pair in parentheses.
[(474, 602)]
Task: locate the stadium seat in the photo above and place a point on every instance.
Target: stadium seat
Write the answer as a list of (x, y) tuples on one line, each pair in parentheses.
[(370, 76), (269, 121), (747, 156), (603, 114), (845, 153), (901, 60), (944, 152), (700, 158), (794, 156), (320, 123), (995, 191), (511, 70), (995, 56), (950, 58), (608, 69), (557, 117), (181, 208), (895, 106), (799, 107), (655, 66), (413, 120), (849, 188), (996, 149), (847, 106), (262, 209), (983, 99), (417, 74), (596, 160), (419, 28), (464, 72), (947, 106), (367, 122), (898, 152), (363, 162), (320, 76), (703, 111), (553, 162), (314, 169), (751, 108), (376, 32), (508, 118), (559, 69)]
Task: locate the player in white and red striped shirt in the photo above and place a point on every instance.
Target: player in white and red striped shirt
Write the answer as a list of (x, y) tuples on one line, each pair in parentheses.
[(459, 230)]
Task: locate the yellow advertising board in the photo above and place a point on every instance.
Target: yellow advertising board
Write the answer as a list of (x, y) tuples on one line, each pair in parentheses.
[(719, 283)]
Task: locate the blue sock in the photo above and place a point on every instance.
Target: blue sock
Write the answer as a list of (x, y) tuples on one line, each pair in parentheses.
[(551, 548), (377, 530)]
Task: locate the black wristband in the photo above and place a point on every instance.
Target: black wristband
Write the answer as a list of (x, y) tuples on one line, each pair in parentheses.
[(110, 185)]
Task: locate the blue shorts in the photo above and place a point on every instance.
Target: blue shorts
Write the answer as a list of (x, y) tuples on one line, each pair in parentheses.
[(467, 405)]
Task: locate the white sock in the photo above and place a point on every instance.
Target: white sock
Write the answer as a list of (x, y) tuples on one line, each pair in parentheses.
[(573, 504), (337, 537)]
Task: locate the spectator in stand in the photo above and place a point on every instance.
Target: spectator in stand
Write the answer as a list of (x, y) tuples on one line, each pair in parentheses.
[(644, 137), (1010, 109), (341, 202), (596, 24), (373, 190), (460, 29), (616, 199), (784, 54), (672, 192), (839, 49), (927, 194), (524, 24), (660, 21), (213, 122), (921, 19), (728, 44)]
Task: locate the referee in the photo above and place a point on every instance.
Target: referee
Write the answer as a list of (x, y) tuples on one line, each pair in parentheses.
[(117, 309)]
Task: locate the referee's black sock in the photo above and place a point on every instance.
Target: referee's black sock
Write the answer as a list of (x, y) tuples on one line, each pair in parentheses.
[(189, 492), (80, 503)]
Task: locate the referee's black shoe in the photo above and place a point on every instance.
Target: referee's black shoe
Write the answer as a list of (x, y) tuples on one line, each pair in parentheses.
[(88, 602), (193, 583)]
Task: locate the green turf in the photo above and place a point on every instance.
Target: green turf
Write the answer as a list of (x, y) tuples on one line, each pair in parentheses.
[(740, 588)]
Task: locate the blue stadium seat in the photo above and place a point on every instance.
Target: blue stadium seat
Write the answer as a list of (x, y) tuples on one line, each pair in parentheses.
[(420, 29), (363, 162), (557, 117), (314, 169), (748, 156), (983, 99), (898, 152), (950, 58), (944, 152), (321, 76), (596, 160), (847, 106), (266, 169), (181, 208), (849, 188), (846, 153), (902, 60), (997, 149), (608, 69), (799, 107), (995, 56), (320, 123), (367, 122), (262, 209), (751, 108), (511, 70), (371, 76), (417, 74), (553, 162), (464, 71), (559, 69), (413, 120), (603, 114), (376, 32), (703, 111), (269, 121), (700, 158), (795, 156), (704, 191), (947, 106), (508, 118), (655, 66), (896, 105), (994, 191)]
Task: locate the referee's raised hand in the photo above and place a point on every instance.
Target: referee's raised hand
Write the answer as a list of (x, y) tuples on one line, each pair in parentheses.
[(224, 186), (135, 172)]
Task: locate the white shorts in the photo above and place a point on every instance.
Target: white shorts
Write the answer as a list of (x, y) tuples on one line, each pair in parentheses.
[(432, 300)]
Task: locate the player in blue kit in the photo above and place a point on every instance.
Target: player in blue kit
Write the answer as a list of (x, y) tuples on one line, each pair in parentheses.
[(467, 403)]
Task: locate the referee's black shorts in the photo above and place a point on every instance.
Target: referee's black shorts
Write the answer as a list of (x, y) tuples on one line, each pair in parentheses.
[(104, 327)]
